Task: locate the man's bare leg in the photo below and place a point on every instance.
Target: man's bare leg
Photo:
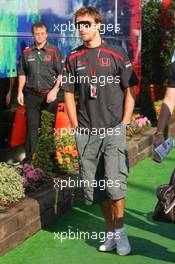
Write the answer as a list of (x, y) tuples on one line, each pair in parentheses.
[(110, 243), (107, 214), (113, 212), (118, 212)]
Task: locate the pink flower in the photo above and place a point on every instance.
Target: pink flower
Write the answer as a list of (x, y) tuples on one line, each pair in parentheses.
[(25, 183), (36, 177), (39, 172), (142, 121), (140, 124), (29, 174)]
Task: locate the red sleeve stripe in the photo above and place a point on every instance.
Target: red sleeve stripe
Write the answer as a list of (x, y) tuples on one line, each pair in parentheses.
[(118, 56), (67, 66), (54, 51), (73, 56), (27, 49)]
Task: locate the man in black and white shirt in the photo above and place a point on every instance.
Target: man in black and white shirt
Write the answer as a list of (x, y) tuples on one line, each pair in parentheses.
[(103, 77), (39, 68)]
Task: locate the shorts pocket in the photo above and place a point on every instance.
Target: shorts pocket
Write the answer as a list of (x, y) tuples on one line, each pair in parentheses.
[(123, 161), (81, 142)]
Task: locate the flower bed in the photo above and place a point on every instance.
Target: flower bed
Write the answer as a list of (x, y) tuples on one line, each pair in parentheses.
[(138, 125), (33, 177), (66, 153)]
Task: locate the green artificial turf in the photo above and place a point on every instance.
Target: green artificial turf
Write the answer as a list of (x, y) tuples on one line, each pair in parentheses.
[(152, 242)]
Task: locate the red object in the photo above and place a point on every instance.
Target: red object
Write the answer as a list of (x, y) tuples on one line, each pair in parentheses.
[(166, 20), (62, 120), (157, 92), (42, 91), (18, 136), (135, 39), (47, 58)]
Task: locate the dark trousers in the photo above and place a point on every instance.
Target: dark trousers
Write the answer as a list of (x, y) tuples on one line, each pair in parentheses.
[(35, 103), (4, 87)]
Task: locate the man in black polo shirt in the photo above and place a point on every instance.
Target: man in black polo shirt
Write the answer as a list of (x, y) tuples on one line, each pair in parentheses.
[(103, 77), (39, 71)]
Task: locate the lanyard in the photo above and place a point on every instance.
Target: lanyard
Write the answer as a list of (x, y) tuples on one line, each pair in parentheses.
[(93, 70), (39, 56)]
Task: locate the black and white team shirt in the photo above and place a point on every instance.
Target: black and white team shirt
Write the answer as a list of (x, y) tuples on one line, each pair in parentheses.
[(109, 69)]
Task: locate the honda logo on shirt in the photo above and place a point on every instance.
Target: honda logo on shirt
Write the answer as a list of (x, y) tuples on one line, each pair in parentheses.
[(104, 62), (47, 58)]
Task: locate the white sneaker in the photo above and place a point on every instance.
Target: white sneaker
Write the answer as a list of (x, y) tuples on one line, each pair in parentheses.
[(109, 244), (123, 247)]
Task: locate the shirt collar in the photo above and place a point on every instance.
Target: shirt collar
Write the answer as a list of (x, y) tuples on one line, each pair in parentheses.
[(44, 48)]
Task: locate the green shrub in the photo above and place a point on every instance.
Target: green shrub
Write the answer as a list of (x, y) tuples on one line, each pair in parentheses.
[(11, 189), (152, 26), (46, 145)]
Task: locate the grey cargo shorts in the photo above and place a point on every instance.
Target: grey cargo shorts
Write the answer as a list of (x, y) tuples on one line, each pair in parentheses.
[(103, 164)]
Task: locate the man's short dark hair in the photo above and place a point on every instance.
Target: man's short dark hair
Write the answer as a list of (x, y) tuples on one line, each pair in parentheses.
[(89, 10), (39, 25)]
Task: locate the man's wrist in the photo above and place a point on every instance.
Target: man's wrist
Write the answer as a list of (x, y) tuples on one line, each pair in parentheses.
[(124, 122), (20, 92), (127, 124), (56, 88)]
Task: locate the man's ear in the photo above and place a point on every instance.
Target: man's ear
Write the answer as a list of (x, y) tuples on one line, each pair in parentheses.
[(98, 26)]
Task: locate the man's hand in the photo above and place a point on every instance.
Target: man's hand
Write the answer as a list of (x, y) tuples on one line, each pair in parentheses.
[(71, 108), (52, 95), (20, 98), (8, 97), (129, 105)]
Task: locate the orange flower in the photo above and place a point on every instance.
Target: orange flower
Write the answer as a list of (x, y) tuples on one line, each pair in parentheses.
[(60, 160), (58, 155), (59, 149), (74, 153), (74, 148), (67, 160), (64, 151), (68, 149), (34, 156)]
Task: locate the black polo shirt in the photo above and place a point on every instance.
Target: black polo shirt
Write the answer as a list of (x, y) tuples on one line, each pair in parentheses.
[(171, 76), (113, 66), (41, 67)]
